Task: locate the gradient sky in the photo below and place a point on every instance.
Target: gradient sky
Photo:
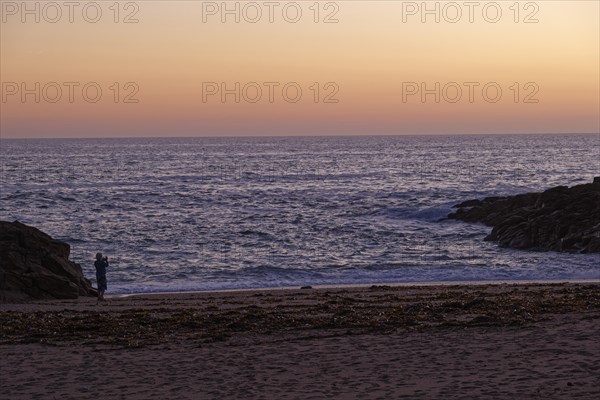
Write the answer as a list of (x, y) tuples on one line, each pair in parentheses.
[(369, 55)]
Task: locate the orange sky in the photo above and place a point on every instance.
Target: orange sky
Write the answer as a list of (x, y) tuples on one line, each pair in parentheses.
[(365, 64)]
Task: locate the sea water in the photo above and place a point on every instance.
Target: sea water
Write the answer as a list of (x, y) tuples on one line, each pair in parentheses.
[(175, 214)]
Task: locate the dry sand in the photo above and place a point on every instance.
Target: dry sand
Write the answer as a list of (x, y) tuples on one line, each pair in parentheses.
[(472, 342)]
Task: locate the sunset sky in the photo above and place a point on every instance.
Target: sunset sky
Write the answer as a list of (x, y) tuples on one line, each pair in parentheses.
[(371, 65)]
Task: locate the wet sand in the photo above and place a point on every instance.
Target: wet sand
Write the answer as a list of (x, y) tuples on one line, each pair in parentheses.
[(485, 341)]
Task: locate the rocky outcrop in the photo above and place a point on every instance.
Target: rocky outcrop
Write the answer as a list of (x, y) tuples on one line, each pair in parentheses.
[(559, 219), (35, 266)]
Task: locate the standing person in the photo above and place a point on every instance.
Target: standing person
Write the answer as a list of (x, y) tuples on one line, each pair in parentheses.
[(101, 264)]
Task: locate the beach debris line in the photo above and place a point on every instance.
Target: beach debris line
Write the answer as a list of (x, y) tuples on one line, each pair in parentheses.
[(564, 219), (203, 318)]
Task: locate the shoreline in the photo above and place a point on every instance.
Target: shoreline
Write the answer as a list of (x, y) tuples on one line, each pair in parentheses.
[(362, 286)]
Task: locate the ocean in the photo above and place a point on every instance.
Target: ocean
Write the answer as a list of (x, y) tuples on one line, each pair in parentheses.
[(182, 214)]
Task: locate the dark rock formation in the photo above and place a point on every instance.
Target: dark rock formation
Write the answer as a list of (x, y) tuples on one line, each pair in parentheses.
[(35, 266), (559, 219)]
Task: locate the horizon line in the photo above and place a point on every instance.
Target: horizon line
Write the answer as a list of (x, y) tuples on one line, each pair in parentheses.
[(300, 136)]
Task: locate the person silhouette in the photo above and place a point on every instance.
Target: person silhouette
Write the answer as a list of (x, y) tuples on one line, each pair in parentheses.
[(101, 264)]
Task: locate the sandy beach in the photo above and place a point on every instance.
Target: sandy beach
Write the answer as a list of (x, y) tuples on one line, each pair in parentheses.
[(521, 341)]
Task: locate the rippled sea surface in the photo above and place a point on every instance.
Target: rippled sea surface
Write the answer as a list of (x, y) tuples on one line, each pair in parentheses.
[(225, 213)]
